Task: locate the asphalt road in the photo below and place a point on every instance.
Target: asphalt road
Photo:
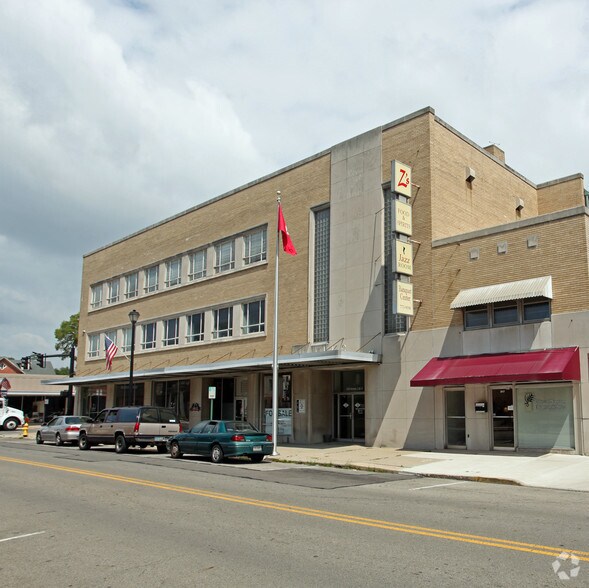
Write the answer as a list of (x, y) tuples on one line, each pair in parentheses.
[(95, 518)]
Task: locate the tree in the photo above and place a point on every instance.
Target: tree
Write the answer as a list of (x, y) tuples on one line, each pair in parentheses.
[(67, 334)]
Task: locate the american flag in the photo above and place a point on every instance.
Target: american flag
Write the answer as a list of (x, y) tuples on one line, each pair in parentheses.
[(111, 351)]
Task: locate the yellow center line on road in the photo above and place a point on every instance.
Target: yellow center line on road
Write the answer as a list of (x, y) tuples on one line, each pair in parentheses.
[(344, 518)]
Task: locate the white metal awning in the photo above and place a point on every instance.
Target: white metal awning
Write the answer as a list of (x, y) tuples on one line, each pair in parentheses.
[(536, 287), (324, 359)]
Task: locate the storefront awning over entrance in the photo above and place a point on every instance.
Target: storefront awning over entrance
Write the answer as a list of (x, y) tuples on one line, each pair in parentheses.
[(534, 288), (532, 366), (324, 359)]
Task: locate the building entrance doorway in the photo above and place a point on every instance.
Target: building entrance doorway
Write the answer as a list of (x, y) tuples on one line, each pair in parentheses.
[(455, 418), (503, 422), (349, 412)]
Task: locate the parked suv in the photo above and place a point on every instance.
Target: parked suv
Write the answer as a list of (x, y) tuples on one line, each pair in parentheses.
[(130, 426)]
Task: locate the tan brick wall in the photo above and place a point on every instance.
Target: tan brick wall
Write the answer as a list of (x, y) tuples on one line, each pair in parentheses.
[(302, 187), (561, 195)]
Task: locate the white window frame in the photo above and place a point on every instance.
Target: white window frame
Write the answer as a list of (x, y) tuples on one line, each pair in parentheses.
[(94, 345), (112, 335), (173, 272), (126, 346), (218, 316), (225, 256), (151, 279), (191, 335), (96, 296), (171, 332), (260, 248), (198, 265), (253, 320), (151, 329), (113, 291), (132, 293)]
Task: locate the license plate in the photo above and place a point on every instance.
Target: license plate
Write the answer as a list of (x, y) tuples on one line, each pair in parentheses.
[(159, 438), (257, 448)]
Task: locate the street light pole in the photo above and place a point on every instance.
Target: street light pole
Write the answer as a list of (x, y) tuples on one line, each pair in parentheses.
[(133, 317)]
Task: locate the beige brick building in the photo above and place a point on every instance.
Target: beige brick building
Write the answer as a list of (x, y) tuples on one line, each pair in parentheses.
[(491, 356)]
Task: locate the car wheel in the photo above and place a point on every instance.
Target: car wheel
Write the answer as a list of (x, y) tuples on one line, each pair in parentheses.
[(120, 444), (38, 438), (256, 458), (175, 452), (83, 442), (161, 448), (58, 440), (216, 454), (11, 424)]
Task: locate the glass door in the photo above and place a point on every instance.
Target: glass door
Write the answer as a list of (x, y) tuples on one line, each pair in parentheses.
[(349, 416), (503, 429), (455, 419)]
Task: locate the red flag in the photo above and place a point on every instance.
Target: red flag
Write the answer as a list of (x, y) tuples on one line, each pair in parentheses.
[(287, 243)]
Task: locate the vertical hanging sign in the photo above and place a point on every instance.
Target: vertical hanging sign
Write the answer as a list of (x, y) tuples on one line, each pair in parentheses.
[(401, 179), (402, 257), (403, 220), (403, 298)]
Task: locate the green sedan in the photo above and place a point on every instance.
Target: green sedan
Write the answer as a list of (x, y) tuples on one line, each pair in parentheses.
[(220, 439)]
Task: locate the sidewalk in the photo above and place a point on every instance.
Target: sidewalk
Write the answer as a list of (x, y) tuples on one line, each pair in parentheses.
[(541, 470), (546, 470)]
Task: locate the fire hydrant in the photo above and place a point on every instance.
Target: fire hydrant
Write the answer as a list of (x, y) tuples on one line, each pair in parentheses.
[(25, 429)]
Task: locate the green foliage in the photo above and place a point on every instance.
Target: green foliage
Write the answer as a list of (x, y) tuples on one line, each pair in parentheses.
[(63, 371), (67, 334)]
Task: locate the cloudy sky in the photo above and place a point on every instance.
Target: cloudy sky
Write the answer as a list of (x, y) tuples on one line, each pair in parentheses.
[(115, 114)]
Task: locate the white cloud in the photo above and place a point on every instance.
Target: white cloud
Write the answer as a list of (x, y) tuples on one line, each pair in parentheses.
[(116, 114)]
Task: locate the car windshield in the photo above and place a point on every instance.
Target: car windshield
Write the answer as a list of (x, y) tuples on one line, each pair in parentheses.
[(239, 426), (76, 420)]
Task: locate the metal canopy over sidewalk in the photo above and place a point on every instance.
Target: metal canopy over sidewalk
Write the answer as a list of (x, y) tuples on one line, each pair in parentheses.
[(545, 365), (325, 359)]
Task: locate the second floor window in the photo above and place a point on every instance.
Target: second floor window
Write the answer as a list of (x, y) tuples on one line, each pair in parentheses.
[(93, 345), (113, 291), (126, 347), (171, 332), (173, 272), (149, 336), (254, 247), (131, 285), (151, 279), (253, 317), (198, 265), (224, 256), (222, 322), (96, 300), (196, 327)]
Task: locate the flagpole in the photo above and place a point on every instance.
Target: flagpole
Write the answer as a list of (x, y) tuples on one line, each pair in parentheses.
[(275, 349)]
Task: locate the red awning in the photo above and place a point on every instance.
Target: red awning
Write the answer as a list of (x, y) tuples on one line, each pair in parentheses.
[(532, 366)]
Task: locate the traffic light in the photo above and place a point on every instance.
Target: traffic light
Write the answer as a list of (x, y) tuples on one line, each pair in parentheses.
[(25, 363), (40, 359)]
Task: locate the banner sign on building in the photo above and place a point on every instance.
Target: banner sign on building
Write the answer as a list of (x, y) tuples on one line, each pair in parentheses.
[(402, 257), (401, 178), (402, 298), (403, 219)]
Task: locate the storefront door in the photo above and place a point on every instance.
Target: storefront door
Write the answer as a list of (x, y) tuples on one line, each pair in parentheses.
[(455, 418), (503, 422), (350, 417)]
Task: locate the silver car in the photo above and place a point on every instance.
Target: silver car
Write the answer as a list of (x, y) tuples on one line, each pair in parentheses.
[(61, 429)]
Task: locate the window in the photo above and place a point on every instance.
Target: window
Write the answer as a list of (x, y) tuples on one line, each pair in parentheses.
[(124, 397), (126, 347), (151, 279), (96, 301), (476, 317), (113, 291), (173, 397), (222, 322), (511, 312), (254, 317), (112, 335), (198, 265), (173, 272), (321, 277), (131, 285), (196, 327), (93, 345), (224, 256), (171, 332), (505, 313), (149, 336), (254, 247)]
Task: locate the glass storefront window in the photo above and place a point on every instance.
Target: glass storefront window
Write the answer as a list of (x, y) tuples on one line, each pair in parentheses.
[(174, 395)]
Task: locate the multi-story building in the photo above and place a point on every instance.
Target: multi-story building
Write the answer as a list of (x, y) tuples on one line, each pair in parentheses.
[(438, 299)]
